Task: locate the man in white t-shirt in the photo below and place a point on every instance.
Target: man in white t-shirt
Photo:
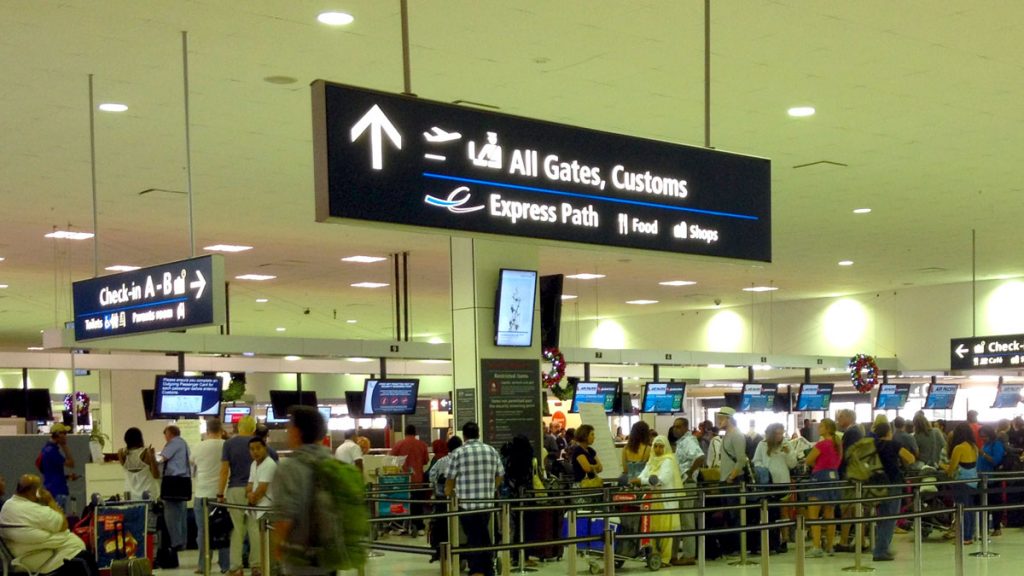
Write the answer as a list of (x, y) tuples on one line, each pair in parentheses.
[(261, 474), (206, 466), (349, 452)]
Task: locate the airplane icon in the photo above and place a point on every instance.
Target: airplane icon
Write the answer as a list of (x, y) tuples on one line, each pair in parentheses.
[(440, 135)]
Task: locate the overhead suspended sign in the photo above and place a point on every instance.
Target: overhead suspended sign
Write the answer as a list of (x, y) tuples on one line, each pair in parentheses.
[(174, 296), (986, 352), (403, 160)]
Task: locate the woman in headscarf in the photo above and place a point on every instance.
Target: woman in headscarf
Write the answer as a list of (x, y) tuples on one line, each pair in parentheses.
[(662, 472)]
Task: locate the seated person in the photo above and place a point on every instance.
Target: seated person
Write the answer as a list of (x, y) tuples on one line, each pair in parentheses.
[(34, 527)]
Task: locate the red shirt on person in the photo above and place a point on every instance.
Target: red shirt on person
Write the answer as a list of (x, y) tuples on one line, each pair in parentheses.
[(415, 452)]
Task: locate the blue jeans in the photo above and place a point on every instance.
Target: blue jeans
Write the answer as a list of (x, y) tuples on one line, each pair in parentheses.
[(884, 528), (965, 495), (176, 517), (223, 554)]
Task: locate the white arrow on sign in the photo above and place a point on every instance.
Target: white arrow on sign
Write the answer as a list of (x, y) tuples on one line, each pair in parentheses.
[(376, 121), (200, 283), (960, 349)]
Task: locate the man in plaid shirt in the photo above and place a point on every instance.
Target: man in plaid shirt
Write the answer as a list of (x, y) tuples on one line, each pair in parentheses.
[(475, 471)]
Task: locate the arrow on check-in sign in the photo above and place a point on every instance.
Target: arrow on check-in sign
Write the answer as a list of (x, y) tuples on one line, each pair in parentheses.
[(200, 283), (960, 350), (377, 122)]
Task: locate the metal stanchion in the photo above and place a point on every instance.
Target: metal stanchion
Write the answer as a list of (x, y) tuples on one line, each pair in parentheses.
[(959, 554), (858, 533), (522, 551), (453, 535), (743, 535), (446, 560), (264, 544), (765, 552), (571, 523), (506, 538), (701, 556), (983, 534), (918, 552), (609, 550), (205, 561), (801, 542), (375, 529)]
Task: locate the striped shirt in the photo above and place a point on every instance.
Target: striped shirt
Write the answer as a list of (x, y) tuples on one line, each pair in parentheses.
[(475, 468)]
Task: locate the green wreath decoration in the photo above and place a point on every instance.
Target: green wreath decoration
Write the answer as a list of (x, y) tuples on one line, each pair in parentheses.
[(553, 377), (236, 388), (863, 372)]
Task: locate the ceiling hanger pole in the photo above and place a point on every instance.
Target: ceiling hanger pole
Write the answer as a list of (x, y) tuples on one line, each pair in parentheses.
[(707, 73), (188, 147), (406, 66), (974, 283), (92, 164)]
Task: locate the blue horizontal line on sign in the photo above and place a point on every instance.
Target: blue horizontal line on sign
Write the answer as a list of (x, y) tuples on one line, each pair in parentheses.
[(132, 307), (588, 196)]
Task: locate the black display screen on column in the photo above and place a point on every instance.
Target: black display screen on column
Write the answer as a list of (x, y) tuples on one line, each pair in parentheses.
[(405, 160)]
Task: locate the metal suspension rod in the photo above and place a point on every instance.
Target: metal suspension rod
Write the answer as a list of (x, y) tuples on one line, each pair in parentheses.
[(406, 66), (707, 73), (188, 147), (92, 164)]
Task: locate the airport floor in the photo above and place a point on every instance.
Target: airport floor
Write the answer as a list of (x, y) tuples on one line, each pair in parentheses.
[(939, 559)]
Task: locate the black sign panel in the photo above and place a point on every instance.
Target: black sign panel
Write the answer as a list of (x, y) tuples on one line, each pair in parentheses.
[(986, 352), (397, 159), (511, 401), (172, 296)]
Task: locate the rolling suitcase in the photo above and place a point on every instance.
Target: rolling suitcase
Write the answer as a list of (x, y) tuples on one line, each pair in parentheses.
[(123, 566)]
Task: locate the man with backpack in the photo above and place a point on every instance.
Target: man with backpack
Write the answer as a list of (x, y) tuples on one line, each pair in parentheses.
[(851, 432), (321, 523)]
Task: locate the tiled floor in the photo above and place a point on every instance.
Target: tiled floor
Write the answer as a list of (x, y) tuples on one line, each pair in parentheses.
[(938, 559)]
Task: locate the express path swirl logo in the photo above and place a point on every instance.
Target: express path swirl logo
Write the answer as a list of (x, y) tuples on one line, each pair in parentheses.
[(455, 203)]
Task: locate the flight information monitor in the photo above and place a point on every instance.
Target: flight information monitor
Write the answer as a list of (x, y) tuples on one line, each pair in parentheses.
[(603, 393), (892, 396), (382, 397), (1008, 395), (187, 396), (814, 397), (941, 396), (663, 397), (758, 397)]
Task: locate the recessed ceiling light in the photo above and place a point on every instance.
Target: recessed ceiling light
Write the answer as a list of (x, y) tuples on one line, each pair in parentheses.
[(761, 289), (846, 262), (363, 259), (2, 258), (36, 348), (801, 111), (862, 211), (280, 80), (248, 354), (358, 359), (351, 321), (227, 248), (121, 268), (335, 18), (716, 365), (586, 276), (641, 302), (68, 235), (3, 286), (369, 284), (113, 107), (262, 300), (280, 329), (569, 296), (257, 277), (435, 340), (292, 358), (435, 361), (677, 283)]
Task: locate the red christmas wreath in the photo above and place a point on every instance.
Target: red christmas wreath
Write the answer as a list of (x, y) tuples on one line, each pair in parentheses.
[(83, 403), (553, 377), (863, 372)]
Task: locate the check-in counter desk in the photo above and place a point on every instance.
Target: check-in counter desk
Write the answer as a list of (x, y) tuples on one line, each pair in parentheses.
[(106, 479)]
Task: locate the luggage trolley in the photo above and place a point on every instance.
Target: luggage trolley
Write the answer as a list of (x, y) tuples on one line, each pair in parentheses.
[(392, 479), (641, 550), (120, 531)]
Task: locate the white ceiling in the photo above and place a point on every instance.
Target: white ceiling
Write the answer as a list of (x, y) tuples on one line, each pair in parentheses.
[(918, 101)]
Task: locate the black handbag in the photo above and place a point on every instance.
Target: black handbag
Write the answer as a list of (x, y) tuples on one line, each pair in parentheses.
[(176, 488), (220, 528)]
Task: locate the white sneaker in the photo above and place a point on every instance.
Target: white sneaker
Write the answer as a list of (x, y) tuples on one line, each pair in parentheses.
[(815, 553)]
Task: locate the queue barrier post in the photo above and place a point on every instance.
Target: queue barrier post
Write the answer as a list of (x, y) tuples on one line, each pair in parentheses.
[(609, 550), (264, 522), (918, 552), (506, 538), (701, 556), (453, 535), (446, 559), (958, 559), (858, 533), (801, 542), (743, 561), (983, 533), (571, 522), (765, 552), (205, 561), (522, 551)]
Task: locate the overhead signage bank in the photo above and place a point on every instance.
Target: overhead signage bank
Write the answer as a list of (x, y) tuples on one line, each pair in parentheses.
[(986, 352), (173, 296), (402, 160)]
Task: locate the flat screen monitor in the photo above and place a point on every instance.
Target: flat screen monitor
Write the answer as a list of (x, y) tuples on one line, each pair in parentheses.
[(12, 403), (604, 393), (37, 405), (758, 397), (814, 397), (663, 397), (69, 419), (354, 401), (513, 308), (550, 309), (272, 419), (282, 400), (232, 414), (325, 412), (147, 403), (390, 396), (941, 396), (186, 396), (892, 396), (1008, 395)]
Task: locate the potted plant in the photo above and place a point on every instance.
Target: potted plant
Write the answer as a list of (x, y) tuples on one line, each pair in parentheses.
[(97, 442)]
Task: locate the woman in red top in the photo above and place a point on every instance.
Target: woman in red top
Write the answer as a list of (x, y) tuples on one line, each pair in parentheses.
[(824, 461)]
